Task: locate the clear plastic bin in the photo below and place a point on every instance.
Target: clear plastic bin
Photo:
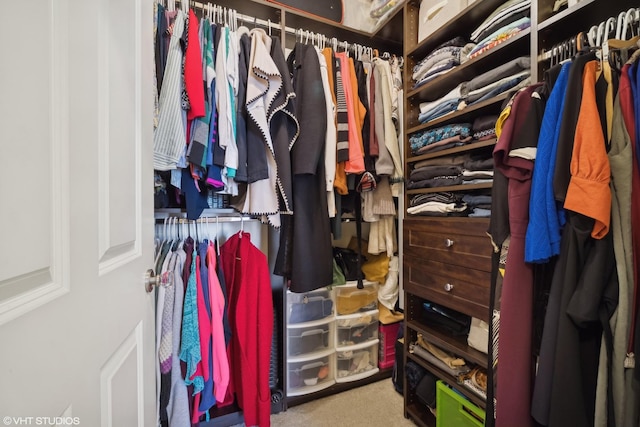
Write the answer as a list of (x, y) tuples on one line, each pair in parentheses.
[(310, 375), (356, 328), (309, 306), (311, 338), (357, 362), (350, 299)]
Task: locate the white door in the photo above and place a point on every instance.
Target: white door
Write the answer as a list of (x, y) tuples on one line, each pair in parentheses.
[(76, 213)]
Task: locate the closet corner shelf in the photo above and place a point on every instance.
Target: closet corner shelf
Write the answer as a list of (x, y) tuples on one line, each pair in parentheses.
[(457, 345), (463, 148), (464, 21), (462, 114), (390, 28), (463, 187), (579, 17), (449, 379), (559, 16), (301, 19), (470, 69), (421, 415)]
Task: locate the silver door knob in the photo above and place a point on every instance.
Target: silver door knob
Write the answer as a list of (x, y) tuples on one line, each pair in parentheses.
[(448, 243), (448, 287), (150, 280)]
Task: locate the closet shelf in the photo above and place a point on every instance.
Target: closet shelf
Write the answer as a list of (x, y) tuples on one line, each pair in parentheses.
[(441, 85), (463, 148), (461, 24), (457, 345), (421, 415), (555, 28), (383, 38), (225, 214), (466, 114), (449, 379), (450, 188)]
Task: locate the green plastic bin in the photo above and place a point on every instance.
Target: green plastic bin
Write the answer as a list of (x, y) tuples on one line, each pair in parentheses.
[(454, 410)]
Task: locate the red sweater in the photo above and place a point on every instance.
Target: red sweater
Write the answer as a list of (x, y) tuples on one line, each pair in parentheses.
[(246, 273)]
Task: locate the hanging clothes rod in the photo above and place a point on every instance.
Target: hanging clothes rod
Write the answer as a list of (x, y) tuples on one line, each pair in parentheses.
[(299, 32), (208, 219), (613, 27), (212, 217)]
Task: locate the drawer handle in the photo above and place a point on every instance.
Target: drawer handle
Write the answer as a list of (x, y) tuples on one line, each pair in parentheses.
[(448, 287), (448, 243)]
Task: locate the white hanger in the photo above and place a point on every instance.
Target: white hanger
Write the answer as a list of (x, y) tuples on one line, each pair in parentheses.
[(609, 27), (620, 24), (600, 35), (592, 35), (628, 22)]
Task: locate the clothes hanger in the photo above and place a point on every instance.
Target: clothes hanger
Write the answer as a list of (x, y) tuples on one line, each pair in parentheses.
[(217, 234), (592, 35), (609, 29), (628, 17), (620, 24), (600, 36)]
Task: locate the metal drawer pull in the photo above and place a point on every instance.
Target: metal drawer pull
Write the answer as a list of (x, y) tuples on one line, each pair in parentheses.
[(448, 243), (448, 287)]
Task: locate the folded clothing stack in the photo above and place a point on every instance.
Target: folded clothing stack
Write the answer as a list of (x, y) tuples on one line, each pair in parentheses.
[(505, 14), (511, 75), (484, 127), (437, 204), (440, 138), (508, 76), (441, 60), (507, 21), (478, 204), (435, 176)]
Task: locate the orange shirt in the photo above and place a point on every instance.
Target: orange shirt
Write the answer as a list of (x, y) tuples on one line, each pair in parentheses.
[(589, 193)]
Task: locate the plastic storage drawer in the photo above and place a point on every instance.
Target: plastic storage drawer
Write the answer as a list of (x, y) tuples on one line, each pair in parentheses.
[(310, 338), (356, 362), (350, 299), (309, 306), (310, 375), (356, 328), (388, 336), (455, 410)]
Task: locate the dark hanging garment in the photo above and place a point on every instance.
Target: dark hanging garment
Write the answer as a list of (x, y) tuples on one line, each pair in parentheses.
[(312, 256), (241, 113), (573, 97), (369, 163), (160, 46), (284, 128), (513, 157)]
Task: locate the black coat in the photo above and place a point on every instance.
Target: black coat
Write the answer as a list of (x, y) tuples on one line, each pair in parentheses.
[(305, 243)]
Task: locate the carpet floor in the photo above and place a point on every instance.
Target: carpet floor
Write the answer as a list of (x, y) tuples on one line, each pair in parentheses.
[(372, 405)]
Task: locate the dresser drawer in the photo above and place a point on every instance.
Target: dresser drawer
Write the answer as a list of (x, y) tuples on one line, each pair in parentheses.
[(457, 241), (462, 289)]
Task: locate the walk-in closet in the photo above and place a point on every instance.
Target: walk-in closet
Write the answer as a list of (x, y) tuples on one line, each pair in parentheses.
[(340, 212)]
